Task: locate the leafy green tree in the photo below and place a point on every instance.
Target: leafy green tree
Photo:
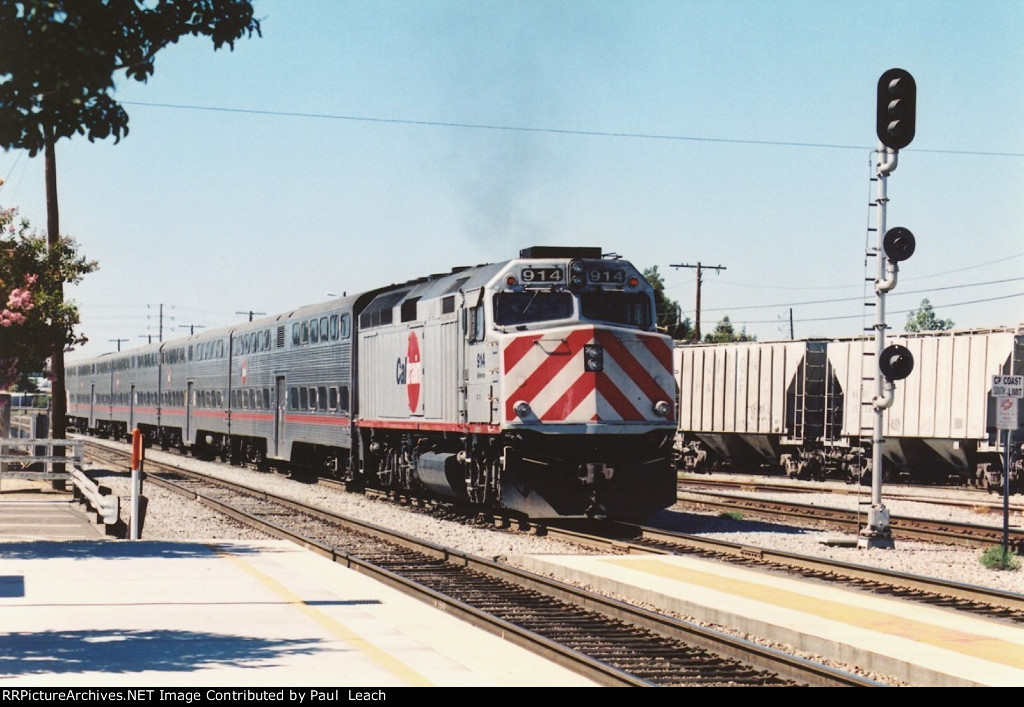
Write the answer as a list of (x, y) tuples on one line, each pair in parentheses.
[(725, 332), (667, 313), (31, 311), (58, 60), (923, 319)]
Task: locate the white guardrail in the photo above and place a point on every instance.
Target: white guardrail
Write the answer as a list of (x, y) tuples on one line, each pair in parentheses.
[(106, 505)]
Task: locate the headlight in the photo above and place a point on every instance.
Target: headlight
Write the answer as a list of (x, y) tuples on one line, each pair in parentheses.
[(593, 358), (522, 409), (662, 408)]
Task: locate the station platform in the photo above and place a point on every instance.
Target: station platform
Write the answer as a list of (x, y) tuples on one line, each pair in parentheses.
[(78, 608), (34, 510), (922, 646), (268, 614)]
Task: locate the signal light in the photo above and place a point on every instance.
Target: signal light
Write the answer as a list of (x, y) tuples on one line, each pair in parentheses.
[(896, 362), (898, 244), (897, 108)]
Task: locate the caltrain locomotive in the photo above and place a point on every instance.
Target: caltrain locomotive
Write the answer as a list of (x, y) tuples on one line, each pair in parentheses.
[(804, 408), (538, 385)]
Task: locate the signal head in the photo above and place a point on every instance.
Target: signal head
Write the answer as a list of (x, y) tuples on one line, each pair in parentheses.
[(898, 244), (896, 362), (896, 111)]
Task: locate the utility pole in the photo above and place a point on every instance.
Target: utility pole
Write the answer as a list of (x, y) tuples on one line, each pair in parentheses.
[(700, 276), (191, 327), (252, 313), (160, 323), (118, 342)]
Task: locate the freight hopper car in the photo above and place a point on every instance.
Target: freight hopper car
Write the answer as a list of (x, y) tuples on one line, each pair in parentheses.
[(538, 385), (757, 405), (805, 408), (941, 426)]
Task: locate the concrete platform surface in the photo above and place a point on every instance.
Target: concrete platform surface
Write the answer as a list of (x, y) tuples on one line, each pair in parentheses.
[(232, 614), (921, 645), (35, 510)]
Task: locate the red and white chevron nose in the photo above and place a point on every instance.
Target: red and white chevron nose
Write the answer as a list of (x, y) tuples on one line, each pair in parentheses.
[(588, 374)]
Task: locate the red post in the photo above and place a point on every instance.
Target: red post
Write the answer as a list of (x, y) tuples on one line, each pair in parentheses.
[(138, 501), (136, 449)]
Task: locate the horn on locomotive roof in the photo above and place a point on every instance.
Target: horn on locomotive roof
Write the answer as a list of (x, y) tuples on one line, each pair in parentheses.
[(550, 251)]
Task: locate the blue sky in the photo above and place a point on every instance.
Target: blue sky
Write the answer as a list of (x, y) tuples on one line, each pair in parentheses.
[(362, 143)]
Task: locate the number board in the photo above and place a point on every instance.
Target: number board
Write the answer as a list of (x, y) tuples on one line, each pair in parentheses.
[(542, 276), (606, 275)]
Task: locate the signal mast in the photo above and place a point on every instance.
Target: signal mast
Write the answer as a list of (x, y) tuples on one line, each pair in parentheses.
[(895, 127)]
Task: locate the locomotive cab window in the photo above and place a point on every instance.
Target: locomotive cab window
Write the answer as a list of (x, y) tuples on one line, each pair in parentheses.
[(629, 308), (513, 308)]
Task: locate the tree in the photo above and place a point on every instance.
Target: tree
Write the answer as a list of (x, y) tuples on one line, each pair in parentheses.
[(32, 311), (923, 319), (668, 316), (58, 59), (725, 332)]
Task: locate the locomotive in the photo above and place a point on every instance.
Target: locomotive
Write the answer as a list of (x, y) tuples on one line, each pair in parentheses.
[(538, 385), (804, 408)]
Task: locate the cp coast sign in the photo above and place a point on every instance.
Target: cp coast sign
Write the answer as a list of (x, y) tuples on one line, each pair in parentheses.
[(1007, 390), (1008, 386)]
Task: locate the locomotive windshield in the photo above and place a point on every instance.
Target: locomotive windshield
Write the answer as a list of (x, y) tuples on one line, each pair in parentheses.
[(632, 309), (629, 308), (512, 308)]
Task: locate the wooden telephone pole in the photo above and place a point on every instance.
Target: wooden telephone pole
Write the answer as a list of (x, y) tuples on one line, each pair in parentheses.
[(700, 276)]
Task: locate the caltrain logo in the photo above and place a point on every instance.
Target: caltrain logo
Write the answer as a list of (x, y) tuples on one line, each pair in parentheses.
[(409, 371), (245, 371)]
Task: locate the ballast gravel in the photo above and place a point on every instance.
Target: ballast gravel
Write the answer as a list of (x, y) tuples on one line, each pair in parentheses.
[(172, 517)]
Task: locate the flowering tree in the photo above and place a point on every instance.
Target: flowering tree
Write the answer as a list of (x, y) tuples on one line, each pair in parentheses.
[(34, 318)]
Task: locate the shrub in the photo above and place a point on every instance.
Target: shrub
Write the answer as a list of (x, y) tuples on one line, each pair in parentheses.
[(996, 559)]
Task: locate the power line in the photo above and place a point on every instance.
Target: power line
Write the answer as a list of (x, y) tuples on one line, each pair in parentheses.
[(550, 131), (757, 286), (857, 299), (899, 311)]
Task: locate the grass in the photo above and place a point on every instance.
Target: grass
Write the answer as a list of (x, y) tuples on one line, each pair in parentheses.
[(731, 515), (995, 559)]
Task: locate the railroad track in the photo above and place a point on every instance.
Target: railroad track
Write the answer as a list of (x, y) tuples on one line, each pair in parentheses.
[(969, 498), (902, 527), (610, 641)]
